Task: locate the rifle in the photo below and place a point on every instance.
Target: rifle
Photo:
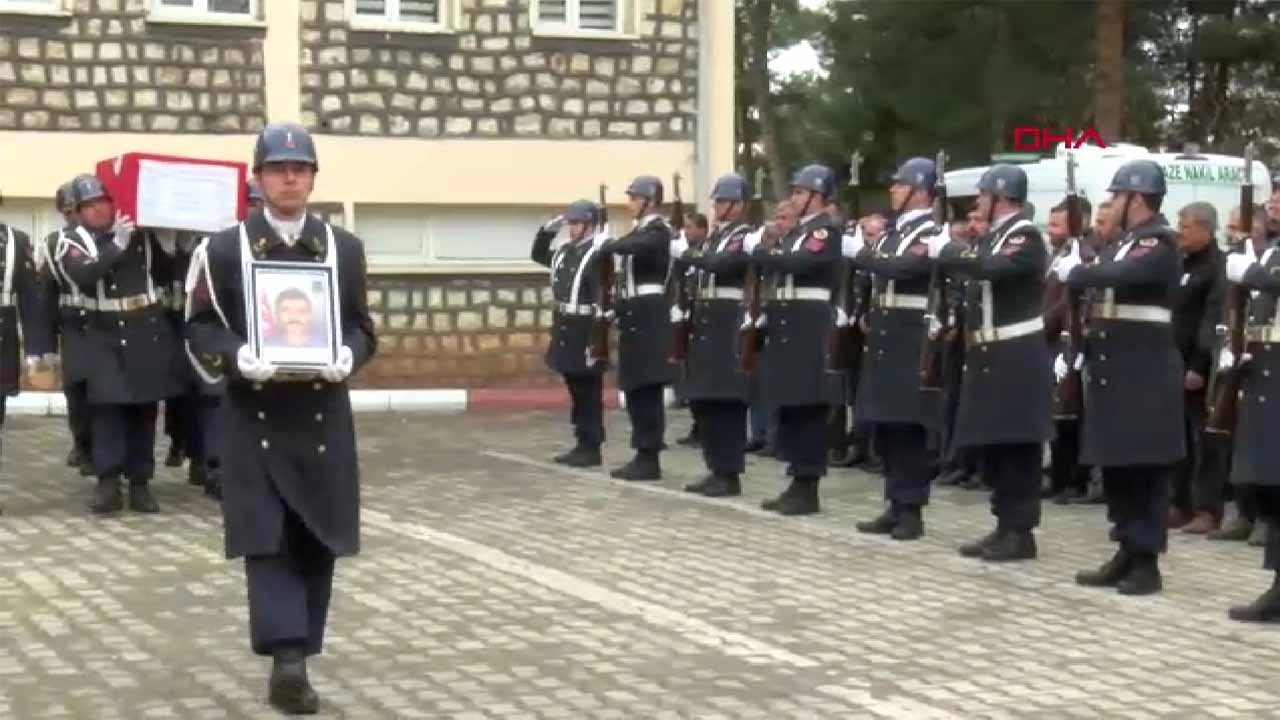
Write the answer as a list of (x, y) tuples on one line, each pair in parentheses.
[(598, 352), (749, 334), (845, 341), (678, 284), (1069, 394), (1224, 385), (936, 316)]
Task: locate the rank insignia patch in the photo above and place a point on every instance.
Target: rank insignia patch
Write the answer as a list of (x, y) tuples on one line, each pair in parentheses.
[(1148, 242)]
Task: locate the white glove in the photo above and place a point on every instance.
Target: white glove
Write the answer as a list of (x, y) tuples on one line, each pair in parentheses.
[(1060, 368), (341, 367), (554, 224), (939, 241), (762, 320), (123, 229), (610, 315), (746, 321), (679, 245), (168, 240), (851, 245), (1237, 265), (842, 317), (678, 315), (1227, 359), (1063, 266), (253, 368), (752, 239)]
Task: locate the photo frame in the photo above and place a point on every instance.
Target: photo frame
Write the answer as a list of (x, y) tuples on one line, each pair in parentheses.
[(291, 310)]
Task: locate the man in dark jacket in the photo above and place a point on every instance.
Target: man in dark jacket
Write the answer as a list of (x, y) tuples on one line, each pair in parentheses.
[(291, 490)]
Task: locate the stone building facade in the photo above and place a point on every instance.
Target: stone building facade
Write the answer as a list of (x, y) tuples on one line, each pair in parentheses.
[(500, 122), (101, 66)]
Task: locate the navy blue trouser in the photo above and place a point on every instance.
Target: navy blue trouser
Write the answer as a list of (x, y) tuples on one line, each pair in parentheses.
[(904, 450), (79, 416), (124, 439), (802, 439), (723, 424), (648, 417), (1138, 503), (1013, 471), (586, 403), (289, 592)]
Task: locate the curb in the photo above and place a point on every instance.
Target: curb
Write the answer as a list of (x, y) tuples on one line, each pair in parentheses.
[(430, 402)]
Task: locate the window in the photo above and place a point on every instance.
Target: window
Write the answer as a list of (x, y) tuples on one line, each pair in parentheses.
[(421, 235), (244, 8), (35, 7), (588, 16), (398, 13)]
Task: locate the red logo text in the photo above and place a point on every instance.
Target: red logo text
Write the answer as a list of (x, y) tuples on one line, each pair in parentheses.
[(1035, 139)]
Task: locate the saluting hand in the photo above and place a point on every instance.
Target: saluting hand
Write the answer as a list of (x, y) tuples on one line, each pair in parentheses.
[(1237, 265)]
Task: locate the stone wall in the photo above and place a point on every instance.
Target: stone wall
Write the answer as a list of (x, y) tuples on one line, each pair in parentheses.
[(106, 68), (494, 78), (459, 332)]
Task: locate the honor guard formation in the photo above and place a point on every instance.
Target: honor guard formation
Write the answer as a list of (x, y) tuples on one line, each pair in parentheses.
[(931, 342), (936, 343)]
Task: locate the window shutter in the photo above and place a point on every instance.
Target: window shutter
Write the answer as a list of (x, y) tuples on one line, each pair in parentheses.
[(598, 14), (552, 11), (377, 8), (423, 11)]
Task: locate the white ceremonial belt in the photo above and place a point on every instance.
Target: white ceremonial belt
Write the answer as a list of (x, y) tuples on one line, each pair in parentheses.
[(8, 299), (1262, 334), (728, 293), (904, 302), (1008, 332), (572, 309), (644, 289), (1138, 313), (124, 304), (802, 293), (69, 301)]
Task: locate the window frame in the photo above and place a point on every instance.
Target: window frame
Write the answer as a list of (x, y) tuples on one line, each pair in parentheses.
[(53, 8), (625, 21), (200, 13), (447, 9)]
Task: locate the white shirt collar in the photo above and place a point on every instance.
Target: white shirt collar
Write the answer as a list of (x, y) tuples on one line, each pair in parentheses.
[(288, 230), (1000, 221), (911, 215), (810, 216)]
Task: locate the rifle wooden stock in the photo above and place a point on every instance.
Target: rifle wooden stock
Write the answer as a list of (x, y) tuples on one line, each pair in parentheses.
[(1224, 385), (1068, 396), (598, 352), (678, 295), (749, 334)]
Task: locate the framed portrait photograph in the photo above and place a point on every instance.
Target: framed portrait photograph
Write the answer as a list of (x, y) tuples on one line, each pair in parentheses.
[(292, 313)]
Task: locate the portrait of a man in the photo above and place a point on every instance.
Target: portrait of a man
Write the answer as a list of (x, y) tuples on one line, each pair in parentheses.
[(294, 322)]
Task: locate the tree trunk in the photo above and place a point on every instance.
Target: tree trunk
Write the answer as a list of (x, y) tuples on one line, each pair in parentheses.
[(761, 14), (746, 130), (1109, 81)]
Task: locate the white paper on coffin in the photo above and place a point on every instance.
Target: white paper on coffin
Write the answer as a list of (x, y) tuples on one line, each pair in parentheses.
[(187, 196)]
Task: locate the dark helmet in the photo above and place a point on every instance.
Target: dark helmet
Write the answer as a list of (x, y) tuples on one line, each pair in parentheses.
[(252, 192), (1006, 181), (732, 187), (65, 198), (919, 173), (1144, 177), (86, 188), (818, 178), (582, 211), (284, 142), (646, 186)]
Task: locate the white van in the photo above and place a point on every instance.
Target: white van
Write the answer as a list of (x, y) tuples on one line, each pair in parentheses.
[(1212, 178)]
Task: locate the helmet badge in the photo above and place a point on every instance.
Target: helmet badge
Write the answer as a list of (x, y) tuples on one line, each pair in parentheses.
[(288, 140)]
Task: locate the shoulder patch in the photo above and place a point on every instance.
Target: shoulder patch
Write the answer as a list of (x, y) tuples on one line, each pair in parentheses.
[(820, 233), (1015, 240), (1148, 242)]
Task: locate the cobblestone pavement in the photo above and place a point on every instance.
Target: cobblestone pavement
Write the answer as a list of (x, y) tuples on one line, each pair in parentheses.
[(496, 585)]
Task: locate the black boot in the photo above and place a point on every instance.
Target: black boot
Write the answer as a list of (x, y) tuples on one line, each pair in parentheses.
[(978, 547), (700, 485), (289, 690), (175, 456), (1011, 546), (776, 503), (882, 525), (910, 524), (951, 477), (754, 445), (1110, 573), (1143, 577), (140, 497), (107, 496), (1258, 537), (1265, 609), (213, 485), (644, 466), (805, 499), (196, 473), (723, 485), (580, 456)]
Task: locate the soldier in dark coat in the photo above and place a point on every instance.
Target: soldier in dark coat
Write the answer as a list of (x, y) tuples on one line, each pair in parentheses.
[(889, 393), (1257, 454), (131, 348), (643, 257), (714, 384), (291, 488), (799, 318), (575, 287), (693, 236), (1006, 404), (1133, 377), (1197, 310), (66, 316)]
